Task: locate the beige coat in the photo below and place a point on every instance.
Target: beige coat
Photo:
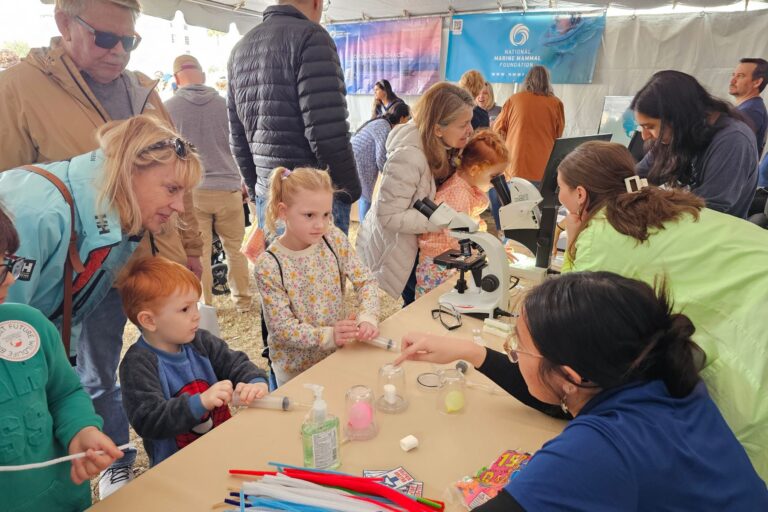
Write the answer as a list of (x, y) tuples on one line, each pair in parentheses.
[(48, 113), (387, 241)]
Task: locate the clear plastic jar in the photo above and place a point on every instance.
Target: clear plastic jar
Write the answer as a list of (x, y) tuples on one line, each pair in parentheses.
[(452, 396), (391, 388), (361, 421)]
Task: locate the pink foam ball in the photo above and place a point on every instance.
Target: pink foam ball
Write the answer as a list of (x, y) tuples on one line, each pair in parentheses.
[(360, 415)]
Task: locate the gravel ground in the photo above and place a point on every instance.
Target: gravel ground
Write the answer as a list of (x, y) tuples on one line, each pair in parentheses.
[(242, 331)]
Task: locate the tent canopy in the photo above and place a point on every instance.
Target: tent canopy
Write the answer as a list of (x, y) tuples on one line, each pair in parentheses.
[(245, 14)]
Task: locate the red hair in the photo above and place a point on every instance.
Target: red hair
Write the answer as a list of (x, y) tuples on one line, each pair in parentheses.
[(484, 149), (147, 281)]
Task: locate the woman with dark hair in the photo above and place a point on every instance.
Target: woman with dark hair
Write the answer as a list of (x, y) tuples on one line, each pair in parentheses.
[(645, 434), (384, 98), (697, 141), (716, 267), (369, 147)]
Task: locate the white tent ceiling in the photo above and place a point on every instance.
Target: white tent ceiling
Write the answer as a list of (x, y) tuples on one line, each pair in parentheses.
[(218, 14)]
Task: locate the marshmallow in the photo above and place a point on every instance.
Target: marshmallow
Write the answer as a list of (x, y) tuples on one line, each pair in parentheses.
[(408, 443), (390, 393)]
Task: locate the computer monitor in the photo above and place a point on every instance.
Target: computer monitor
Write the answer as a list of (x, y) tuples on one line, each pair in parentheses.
[(637, 146), (540, 241)]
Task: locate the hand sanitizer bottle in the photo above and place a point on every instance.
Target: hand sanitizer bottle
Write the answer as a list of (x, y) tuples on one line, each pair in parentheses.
[(320, 434)]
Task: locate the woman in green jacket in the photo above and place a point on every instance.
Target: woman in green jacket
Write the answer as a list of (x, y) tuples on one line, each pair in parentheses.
[(716, 267)]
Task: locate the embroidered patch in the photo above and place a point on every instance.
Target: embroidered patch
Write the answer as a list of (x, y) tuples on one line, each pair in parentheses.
[(26, 270), (102, 223), (19, 341)]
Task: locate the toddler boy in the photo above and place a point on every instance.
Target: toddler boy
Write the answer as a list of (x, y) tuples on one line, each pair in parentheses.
[(176, 379)]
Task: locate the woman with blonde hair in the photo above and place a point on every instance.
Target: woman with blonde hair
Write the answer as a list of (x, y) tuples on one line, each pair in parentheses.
[(487, 101), (530, 121), (473, 82), (133, 183), (419, 154)]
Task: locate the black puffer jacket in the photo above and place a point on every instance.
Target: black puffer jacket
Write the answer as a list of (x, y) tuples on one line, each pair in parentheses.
[(287, 104)]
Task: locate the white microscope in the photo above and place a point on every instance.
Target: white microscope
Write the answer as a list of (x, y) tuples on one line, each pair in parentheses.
[(487, 292)]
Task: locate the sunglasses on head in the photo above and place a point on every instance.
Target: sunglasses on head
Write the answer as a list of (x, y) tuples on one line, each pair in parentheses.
[(109, 40), (181, 147), (13, 264)]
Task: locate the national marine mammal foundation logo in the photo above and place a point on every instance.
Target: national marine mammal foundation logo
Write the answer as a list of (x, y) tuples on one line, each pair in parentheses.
[(518, 36)]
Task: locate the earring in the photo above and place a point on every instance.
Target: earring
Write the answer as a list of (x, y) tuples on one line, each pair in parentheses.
[(564, 406)]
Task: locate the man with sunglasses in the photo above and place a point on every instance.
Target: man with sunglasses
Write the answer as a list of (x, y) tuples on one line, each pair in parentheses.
[(53, 103)]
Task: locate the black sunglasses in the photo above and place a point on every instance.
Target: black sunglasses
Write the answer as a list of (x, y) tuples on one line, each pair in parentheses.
[(109, 40), (181, 147), (448, 316), (12, 264)]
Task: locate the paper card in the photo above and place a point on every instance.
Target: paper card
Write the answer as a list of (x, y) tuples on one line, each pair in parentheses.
[(372, 473), (414, 489), (397, 477)]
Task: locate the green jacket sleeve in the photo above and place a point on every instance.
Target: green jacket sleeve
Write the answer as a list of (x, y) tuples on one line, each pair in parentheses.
[(69, 405)]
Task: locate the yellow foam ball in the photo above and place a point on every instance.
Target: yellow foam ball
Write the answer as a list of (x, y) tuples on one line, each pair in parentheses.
[(454, 401)]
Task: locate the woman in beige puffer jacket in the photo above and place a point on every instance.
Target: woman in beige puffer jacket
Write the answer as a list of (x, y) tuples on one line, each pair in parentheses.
[(418, 154)]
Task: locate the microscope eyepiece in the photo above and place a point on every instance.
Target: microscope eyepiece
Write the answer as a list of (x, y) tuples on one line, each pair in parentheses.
[(499, 183), (425, 206)]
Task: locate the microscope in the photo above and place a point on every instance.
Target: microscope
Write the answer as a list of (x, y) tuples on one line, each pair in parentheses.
[(529, 220), (482, 255)]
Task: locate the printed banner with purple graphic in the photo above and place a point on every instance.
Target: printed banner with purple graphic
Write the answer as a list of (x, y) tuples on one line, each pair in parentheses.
[(503, 47), (406, 52)]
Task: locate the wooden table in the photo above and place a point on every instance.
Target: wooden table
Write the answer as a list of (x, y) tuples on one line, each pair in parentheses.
[(450, 446)]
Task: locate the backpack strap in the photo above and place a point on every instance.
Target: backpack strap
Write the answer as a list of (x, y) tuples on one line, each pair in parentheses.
[(73, 262), (338, 264)]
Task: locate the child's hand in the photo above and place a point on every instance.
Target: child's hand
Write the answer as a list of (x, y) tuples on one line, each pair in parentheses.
[(90, 440), (366, 331), (345, 331), (509, 247), (217, 395), (249, 392)]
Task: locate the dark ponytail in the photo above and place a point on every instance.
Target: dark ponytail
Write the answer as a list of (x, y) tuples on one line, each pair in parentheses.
[(612, 331), (9, 237)]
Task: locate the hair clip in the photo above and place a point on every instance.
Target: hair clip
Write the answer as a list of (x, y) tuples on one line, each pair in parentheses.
[(286, 172), (635, 184)]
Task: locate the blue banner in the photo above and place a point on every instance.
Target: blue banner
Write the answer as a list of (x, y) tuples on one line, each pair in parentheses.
[(504, 46)]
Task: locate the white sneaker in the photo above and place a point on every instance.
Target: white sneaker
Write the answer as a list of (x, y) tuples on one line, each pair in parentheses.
[(112, 479)]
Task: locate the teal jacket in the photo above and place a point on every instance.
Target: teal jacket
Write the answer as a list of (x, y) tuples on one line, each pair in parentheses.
[(43, 220), (717, 273), (42, 407)]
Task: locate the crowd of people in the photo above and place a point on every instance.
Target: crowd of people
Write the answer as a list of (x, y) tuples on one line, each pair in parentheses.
[(650, 344)]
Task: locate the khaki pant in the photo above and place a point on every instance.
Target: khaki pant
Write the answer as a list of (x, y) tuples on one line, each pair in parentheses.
[(222, 210)]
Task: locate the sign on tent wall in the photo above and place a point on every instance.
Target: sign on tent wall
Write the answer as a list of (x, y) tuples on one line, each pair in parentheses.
[(406, 52), (505, 46)]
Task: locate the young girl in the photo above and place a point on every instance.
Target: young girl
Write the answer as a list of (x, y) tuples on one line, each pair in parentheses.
[(484, 157), (45, 413), (301, 276)]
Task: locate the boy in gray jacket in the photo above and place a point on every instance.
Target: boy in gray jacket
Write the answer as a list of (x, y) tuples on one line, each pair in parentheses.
[(176, 379)]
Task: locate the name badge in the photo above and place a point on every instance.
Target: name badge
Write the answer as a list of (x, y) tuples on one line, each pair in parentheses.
[(19, 341)]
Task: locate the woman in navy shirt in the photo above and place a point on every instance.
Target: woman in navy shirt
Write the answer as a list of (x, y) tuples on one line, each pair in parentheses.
[(645, 434)]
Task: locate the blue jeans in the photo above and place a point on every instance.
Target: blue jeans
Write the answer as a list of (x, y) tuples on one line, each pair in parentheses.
[(98, 356), (341, 213), (363, 205)]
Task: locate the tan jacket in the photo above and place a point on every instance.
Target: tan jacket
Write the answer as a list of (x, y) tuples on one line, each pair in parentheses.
[(388, 239), (48, 113), (530, 123)]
